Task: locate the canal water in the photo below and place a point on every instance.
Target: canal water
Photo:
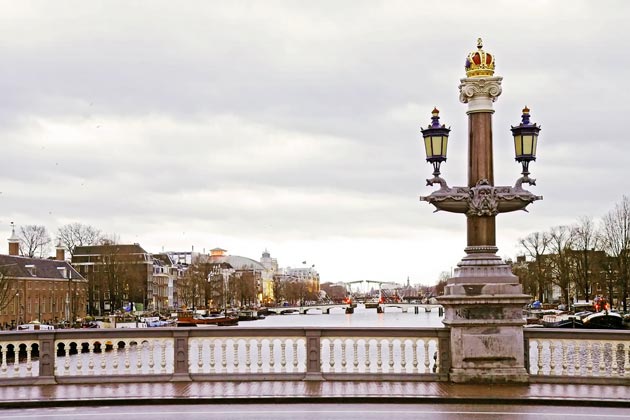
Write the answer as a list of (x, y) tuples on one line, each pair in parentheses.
[(362, 317)]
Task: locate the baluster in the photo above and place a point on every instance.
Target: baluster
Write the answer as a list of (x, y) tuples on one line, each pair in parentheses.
[(212, 361), (272, 356), (436, 357), (552, 357), (403, 355), (427, 359), (91, 358), (620, 367), (588, 347), (565, 363), (379, 357), (16, 361), (331, 344), (615, 361), (355, 357), (626, 361), (127, 360), (576, 359), (200, 342), (259, 347), (224, 355), (139, 354), (367, 355), (602, 360), (295, 355), (391, 355), (79, 359), (3, 366), (248, 356), (414, 352), (343, 356), (163, 344), (540, 357), (283, 355), (66, 362), (29, 362), (235, 351), (103, 363), (115, 361), (151, 356)]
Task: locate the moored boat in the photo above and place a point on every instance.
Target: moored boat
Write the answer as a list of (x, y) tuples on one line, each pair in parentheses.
[(186, 319), (603, 320), (562, 321)]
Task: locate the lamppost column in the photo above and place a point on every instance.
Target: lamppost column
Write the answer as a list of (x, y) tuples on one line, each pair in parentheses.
[(479, 94)]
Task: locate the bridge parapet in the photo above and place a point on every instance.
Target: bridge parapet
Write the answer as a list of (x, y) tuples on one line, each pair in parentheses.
[(255, 354)]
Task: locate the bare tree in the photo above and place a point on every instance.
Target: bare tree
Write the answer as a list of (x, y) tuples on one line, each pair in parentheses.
[(585, 242), (560, 245), (77, 234), (191, 287), (535, 245), (7, 286), (34, 241), (616, 243), (442, 282), (278, 288)]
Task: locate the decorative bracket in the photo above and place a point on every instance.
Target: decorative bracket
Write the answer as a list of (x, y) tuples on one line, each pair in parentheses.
[(483, 199)]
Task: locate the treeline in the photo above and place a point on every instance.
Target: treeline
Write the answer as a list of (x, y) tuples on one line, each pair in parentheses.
[(582, 260)]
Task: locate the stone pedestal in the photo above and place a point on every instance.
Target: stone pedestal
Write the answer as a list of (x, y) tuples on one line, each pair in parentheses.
[(483, 309)]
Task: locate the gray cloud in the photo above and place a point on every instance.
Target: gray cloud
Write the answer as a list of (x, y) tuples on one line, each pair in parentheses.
[(295, 126)]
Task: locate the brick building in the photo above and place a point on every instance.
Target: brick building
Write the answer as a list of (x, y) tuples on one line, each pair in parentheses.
[(35, 289)]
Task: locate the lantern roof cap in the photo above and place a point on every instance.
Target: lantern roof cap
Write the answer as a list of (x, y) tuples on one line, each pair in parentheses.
[(479, 63)]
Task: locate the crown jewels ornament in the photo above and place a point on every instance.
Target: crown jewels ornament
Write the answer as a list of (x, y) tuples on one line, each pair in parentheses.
[(479, 63)]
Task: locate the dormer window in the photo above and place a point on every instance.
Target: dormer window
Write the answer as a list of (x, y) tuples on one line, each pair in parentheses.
[(31, 269), (62, 271)]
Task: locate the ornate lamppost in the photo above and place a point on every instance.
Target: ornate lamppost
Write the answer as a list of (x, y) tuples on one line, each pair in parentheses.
[(483, 300)]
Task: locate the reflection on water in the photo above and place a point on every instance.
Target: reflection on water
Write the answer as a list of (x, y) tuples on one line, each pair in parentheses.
[(393, 317)]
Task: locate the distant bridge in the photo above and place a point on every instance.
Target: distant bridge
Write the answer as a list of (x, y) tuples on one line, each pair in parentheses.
[(323, 307), (416, 306)]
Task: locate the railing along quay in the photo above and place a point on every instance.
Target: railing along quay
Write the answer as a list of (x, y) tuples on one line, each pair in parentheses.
[(223, 354), (577, 356)]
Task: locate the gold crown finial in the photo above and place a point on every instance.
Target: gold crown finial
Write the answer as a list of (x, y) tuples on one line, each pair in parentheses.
[(479, 63)]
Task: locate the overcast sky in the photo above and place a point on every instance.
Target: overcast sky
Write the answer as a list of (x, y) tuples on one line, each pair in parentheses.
[(294, 126)]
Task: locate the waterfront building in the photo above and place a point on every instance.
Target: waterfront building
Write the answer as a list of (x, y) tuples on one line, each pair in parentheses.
[(270, 269), (118, 276), (42, 290)]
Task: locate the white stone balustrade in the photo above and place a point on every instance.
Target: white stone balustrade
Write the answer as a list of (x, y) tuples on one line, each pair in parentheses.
[(16, 358), (252, 354), (104, 356), (374, 355), (247, 355), (583, 356)]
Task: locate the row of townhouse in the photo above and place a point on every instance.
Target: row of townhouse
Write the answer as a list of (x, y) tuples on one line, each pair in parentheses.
[(102, 279)]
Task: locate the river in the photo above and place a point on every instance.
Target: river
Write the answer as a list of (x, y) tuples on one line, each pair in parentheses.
[(392, 317)]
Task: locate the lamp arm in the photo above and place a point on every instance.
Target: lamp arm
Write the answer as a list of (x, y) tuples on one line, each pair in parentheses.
[(438, 180), (525, 179)]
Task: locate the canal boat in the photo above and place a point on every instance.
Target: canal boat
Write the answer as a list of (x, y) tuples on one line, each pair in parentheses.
[(604, 320), (564, 320), (189, 319)]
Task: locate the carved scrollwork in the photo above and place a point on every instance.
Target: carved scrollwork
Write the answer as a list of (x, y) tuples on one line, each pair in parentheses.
[(486, 87), (481, 200)]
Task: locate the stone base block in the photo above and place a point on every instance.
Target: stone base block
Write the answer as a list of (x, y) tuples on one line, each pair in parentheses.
[(489, 376)]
